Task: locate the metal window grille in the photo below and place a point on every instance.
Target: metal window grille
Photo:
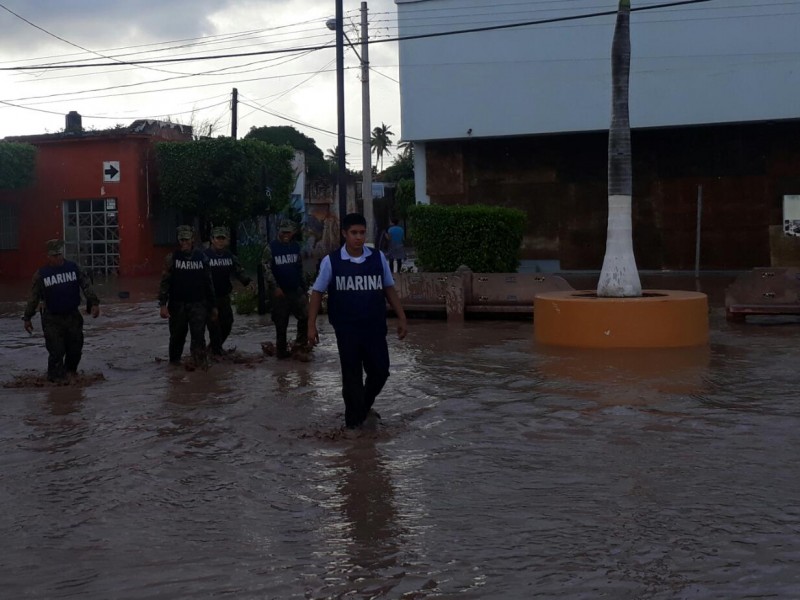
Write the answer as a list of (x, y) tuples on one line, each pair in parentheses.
[(91, 234)]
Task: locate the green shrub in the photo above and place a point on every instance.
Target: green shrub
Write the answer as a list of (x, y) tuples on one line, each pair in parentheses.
[(250, 255), (17, 165), (484, 238), (245, 301), (405, 198)]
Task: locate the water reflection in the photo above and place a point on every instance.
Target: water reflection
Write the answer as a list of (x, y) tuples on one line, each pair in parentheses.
[(501, 470), (624, 376), (65, 400), (60, 425), (288, 380), (370, 529), (191, 424)]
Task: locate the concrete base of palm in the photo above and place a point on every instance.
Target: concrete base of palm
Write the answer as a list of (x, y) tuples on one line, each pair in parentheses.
[(657, 319)]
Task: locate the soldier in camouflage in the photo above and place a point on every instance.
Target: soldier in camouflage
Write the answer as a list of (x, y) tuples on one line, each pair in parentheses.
[(283, 270), (224, 265), (56, 289), (186, 297)]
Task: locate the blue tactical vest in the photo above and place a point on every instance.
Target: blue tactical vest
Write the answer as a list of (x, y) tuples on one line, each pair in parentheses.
[(356, 299), (62, 290), (221, 265), (189, 278), (287, 265)]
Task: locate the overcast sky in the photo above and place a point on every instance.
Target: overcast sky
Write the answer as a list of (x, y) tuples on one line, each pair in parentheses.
[(293, 86)]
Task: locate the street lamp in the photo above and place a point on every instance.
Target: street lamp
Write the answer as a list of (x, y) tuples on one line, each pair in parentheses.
[(366, 148)]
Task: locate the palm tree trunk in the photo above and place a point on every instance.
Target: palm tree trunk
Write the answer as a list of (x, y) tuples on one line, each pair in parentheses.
[(619, 276)]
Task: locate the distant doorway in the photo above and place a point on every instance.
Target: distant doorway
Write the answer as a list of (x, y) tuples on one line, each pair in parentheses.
[(91, 235)]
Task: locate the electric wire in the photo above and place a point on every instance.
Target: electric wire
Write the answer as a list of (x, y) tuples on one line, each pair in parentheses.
[(295, 121), (66, 41), (393, 39)]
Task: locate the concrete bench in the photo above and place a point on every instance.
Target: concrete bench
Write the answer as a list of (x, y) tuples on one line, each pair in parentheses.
[(464, 292)]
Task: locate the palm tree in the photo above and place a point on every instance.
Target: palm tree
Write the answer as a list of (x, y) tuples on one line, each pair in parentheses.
[(406, 149), (381, 141), (332, 158), (619, 276)]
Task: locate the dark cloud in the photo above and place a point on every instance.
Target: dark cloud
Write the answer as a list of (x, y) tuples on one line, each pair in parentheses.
[(98, 24)]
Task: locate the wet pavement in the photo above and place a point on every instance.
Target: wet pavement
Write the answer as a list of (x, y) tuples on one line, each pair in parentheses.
[(500, 469)]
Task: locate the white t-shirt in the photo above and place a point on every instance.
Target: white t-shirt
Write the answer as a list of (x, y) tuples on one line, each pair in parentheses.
[(326, 273)]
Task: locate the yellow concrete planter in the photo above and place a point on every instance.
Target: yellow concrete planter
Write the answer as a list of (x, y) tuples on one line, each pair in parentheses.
[(658, 319)]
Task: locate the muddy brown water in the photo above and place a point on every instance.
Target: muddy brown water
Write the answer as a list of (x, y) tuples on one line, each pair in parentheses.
[(500, 469)]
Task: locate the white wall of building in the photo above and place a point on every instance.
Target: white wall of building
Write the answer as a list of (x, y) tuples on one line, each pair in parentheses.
[(715, 62)]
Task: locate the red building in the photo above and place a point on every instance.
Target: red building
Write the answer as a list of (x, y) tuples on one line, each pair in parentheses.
[(95, 190)]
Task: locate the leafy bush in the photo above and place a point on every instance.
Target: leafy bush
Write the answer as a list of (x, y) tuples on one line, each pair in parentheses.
[(225, 180), (250, 255), (17, 165), (484, 238), (405, 198), (245, 301)]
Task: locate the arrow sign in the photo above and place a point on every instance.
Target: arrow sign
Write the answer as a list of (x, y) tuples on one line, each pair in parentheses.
[(111, 171)]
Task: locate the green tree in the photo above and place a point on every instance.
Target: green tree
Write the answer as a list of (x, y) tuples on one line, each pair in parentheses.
[(405, 197), (286, 135), (332, 159), (225, 180), (401, 168), (406, 149), (619, 276), (17, 165), (381, 141)]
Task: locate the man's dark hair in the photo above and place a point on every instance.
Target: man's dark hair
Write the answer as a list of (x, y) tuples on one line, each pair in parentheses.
[(394, 220), (353, 219)]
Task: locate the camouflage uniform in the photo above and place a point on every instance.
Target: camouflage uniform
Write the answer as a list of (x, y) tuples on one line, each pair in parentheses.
[(55, 290), (188, 293), (283, 270), (223, 265)]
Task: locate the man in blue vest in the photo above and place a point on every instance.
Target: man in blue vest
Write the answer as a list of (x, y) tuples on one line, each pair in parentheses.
[(283, 269), (359, 282), (57, 289), (186, 297), (224, 265)]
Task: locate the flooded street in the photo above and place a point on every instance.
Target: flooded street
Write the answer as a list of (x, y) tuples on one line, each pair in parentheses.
[(500, 469)]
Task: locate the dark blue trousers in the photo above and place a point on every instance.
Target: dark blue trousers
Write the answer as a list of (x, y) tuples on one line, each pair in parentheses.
[(361, 352)]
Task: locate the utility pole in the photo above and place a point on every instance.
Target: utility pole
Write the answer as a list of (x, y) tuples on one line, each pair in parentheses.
[(366, 147), (342, 163), (234, 111)]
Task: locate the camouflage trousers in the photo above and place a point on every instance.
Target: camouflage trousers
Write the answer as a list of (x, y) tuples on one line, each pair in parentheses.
[(63, 338), (290, 304), (219, 330), (185, 317)]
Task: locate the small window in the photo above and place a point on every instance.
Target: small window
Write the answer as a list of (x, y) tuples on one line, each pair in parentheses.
[(9, 230), (791, 215)]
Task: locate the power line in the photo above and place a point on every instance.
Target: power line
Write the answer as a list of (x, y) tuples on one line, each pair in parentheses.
[(374, 70), (197, 85), (82, 74), (183, 76), (205, 40), (325, 68), (191, 55), (394, 39), (34, 25), (295, 121), (53, 112)]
